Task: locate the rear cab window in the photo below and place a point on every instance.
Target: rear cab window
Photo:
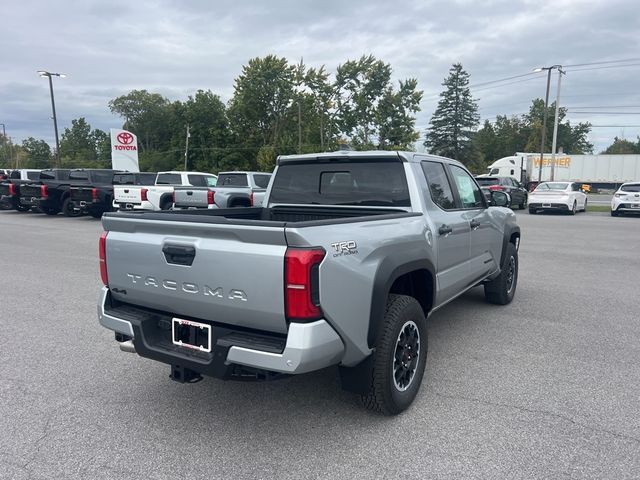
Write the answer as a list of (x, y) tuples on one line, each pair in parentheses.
[(33, 175), (79, 176), (366, 182), (168, 179), (233, 180)]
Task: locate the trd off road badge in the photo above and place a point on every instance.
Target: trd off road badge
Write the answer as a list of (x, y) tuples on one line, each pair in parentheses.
[(344, 248)]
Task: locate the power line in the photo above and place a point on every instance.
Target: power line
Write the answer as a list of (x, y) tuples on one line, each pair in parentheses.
[(605, 113), (475, 85), (602, 68), (603, 63), (607, 106)]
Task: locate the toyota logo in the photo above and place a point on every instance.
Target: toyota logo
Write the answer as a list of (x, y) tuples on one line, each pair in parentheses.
[(125, 138)]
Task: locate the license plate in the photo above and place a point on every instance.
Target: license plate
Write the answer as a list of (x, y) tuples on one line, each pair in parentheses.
[(546, 205), (192, 335), (637, 205)]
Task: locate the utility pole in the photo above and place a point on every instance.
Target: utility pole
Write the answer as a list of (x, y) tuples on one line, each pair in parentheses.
[(555, 125), (4, 142), (186, 150), (50, 75), (321, 130), (546, 114), (299, 128)]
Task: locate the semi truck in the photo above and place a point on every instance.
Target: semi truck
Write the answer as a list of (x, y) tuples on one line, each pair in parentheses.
[(598, 171)]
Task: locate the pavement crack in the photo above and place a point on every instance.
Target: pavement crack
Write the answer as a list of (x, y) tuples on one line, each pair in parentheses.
[(547, 413)]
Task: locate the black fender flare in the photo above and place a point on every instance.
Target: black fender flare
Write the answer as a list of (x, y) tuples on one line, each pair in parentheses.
[(508, 233), (238, 196), (388, 272), (164, 198)]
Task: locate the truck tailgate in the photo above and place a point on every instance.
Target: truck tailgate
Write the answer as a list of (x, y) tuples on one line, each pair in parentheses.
[(191, 196), (127, 194), (235, 275)]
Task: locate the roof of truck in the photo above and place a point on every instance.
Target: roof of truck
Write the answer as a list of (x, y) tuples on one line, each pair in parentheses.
[(181, 171), (401, 155)]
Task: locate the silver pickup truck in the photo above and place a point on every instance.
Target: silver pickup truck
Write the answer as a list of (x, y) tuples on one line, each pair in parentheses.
[(343, 263), (233, 189)]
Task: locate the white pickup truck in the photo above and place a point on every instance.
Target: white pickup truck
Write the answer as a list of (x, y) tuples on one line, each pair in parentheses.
[(233, 189), (158, 196)]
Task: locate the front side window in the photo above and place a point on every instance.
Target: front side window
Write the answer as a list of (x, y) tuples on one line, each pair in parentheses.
[(439, 186), (470, 194)]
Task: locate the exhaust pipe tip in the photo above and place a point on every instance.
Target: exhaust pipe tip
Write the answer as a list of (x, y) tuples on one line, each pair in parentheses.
[(127, 346)]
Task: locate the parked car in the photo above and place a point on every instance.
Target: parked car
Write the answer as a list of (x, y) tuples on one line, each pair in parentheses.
[(559, 197), (232, 189), (626, 199), (45, 194), (10, 188), (158, 195), (515, 189), (348, 256), (97, 197)]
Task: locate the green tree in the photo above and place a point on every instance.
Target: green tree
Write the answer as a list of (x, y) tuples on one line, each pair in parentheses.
[(395, 118), (80, 146), (623, 146), (38, 153), (148, 115), (455, 120)]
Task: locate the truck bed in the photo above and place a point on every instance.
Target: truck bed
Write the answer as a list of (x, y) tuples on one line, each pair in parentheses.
[(274, 216)]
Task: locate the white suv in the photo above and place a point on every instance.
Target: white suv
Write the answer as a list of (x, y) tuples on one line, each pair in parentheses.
[(626, 199)]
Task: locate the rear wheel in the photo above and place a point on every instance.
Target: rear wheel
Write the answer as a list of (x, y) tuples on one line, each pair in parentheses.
[(166, 204), (574, 209), (584, 209), (532, 211), (523, 205), (69, 210), (399, 358), (502, 289)]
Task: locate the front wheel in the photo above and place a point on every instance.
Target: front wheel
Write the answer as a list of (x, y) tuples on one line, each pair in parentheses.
[(502, 289), (400, 357)]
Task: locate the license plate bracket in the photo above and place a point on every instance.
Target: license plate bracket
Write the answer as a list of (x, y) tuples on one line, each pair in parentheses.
[(191, 335)]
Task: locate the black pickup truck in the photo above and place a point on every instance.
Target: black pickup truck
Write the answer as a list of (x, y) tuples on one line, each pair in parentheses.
[(49, 193), (11, 187), (92, 194)]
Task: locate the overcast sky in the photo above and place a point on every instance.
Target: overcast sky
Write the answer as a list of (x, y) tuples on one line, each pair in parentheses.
[(110, 47)]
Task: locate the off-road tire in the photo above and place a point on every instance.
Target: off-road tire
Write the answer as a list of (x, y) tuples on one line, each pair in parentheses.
[(68, 210), (532, 211), (384, 396), (501, 290)]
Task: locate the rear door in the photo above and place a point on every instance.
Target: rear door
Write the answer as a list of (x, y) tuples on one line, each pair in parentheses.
[(483, 234), (452, 233)]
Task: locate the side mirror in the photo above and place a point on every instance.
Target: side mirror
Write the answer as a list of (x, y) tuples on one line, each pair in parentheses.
[(500, 199)]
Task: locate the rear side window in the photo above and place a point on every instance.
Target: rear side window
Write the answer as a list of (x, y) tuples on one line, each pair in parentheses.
[(483, 182), (197, 180), (168, 179), (261, 181), (630, 188), (439, 186), (233, 180), (47, 175), (369, 183), (33, 175)]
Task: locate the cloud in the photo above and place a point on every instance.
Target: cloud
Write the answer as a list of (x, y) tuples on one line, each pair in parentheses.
[(175, 48)]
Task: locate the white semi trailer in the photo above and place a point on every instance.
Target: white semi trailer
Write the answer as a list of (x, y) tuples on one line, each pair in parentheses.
[(600, 171)]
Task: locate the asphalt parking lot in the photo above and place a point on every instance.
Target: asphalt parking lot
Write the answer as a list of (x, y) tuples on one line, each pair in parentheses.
[(547, 387)]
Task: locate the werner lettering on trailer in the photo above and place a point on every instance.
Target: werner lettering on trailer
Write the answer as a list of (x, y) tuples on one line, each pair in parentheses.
[(124, 150)]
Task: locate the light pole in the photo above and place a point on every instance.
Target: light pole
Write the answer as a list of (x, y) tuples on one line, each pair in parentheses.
[(44, 73), (4, 140), (544, 121), (555, 124)]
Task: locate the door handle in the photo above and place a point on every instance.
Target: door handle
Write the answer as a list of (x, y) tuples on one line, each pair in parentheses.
[(179, 254), (445, 230), (474, 224)]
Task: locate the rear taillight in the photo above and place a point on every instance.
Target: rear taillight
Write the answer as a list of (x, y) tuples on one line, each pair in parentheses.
[(251, 199), (12, 189), (210, 197), (44, 192), (618, 195), (496, 188), (173, 197), (94, 194), (143, 194), (301, 281), (102, 249)]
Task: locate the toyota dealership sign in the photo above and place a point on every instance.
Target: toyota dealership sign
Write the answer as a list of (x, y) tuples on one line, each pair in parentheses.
[(124, 150)]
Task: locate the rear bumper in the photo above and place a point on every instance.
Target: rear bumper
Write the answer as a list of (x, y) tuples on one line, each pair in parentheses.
[(562, 207), (306, 347), (191, 207), (133, 206)]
